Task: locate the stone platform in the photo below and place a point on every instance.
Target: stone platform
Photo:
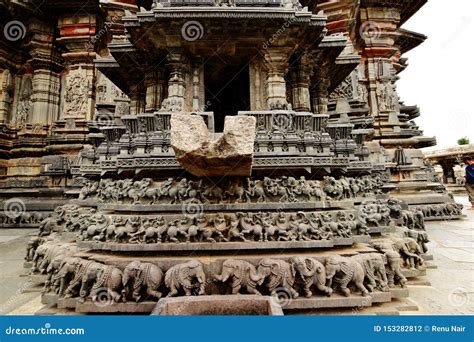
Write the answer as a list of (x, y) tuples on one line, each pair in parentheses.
[(223, 246)]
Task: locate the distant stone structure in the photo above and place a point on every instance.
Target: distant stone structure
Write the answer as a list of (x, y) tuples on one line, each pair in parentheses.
[(210, 148), (448, 163)]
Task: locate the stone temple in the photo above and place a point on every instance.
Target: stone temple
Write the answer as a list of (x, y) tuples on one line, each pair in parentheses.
[(186, 151)]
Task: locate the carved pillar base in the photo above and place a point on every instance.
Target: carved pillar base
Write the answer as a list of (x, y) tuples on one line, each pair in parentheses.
[(276, 60), (176, 100)]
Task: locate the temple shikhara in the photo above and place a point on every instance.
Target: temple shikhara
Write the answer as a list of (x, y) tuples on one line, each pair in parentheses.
[(186, 151)]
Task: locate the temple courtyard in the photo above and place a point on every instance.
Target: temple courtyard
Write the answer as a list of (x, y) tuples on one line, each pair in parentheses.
[(447, 288)]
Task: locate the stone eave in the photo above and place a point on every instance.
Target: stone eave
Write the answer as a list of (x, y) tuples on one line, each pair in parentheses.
[(119, 4), (412, 111), (303, 16), (451, 152), (407, 7), (112, 70), (408, 40), (343, 63)]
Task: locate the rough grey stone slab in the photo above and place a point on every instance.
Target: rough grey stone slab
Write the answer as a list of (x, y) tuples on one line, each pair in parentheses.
[(398, 292), (413, 273), (131, 307), (381, 297), (219, 305), (427, 257), (207, 246), (49, 299), (335, 301), (360, 239), (444, 218), (67, 303), (37, 278)]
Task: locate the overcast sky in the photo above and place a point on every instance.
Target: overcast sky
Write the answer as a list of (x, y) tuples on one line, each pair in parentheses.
[(440, 76)]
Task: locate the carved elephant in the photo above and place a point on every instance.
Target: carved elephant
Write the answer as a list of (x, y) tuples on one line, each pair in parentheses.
[(242, 274), (187, 277), (393, 263), (374, 269), (312, 272), (345, 271), (410, 251), (70, 275), (103, 278), (46, 252), (278, 273), (145, 278), (52, 282)]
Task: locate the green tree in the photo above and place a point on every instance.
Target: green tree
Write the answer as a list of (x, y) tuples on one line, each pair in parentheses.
[(464, 141)]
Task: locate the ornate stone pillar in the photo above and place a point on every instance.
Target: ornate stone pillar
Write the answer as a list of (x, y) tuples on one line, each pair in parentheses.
[(178, 66), (378, 33), (137, 99), (154, 84), (6, 85), (77, 35), (319, 90), (276, 61), (300, 80), (47, 64)]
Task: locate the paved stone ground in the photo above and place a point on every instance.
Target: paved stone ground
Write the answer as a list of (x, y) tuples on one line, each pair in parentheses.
[(451, 291), (452, 283)]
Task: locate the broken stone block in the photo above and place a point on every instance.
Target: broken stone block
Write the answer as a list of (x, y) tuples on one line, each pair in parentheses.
[(203, 153)]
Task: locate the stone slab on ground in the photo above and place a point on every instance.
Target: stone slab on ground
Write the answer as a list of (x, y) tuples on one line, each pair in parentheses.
[(67, 303), (49, 299), (399, 292), (219, 305), (335, 301), (129, 308)]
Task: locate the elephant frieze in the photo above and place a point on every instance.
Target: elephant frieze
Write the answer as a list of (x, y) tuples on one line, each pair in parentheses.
[(278, 274), (144, 278), (345, 271), (104, 278), (243, 275), (187, 276), (312, 272)]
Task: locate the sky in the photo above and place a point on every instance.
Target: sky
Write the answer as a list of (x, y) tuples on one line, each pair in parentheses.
[(440, 75)]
